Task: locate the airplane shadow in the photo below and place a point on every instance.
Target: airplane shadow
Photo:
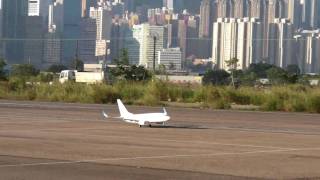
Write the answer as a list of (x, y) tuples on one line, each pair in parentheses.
[(179, 127)]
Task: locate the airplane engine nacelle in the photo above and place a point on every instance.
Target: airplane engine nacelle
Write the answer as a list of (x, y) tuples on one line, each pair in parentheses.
[(141, 123)]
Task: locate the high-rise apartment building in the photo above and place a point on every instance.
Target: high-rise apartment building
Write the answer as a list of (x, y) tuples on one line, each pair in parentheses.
[(103, 17), (295, 12), (249, 46), (240, 8), (168, 4), (206, 18), (44, 9), (182, 39), (83, 8), (135, 45), (306, 51), (224, 45), (311, 14), (177, 5), (280, 47), (58, 16), (256, 8), (236, 38)]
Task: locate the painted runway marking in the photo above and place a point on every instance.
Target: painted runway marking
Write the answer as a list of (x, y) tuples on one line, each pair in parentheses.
[(261, 130), (156, 157), (42, 105)]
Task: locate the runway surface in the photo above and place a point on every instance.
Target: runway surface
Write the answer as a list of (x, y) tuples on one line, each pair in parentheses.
[(72, 141)]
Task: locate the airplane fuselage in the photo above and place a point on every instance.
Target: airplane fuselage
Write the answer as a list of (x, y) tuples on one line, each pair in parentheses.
[(146, 119)]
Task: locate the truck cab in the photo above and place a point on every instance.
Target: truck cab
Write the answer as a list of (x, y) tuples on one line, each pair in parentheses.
[(67, 75), (92, 74)]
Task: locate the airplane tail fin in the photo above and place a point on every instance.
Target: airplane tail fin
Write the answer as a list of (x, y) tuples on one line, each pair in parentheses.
[(165, 112), (123, 111)]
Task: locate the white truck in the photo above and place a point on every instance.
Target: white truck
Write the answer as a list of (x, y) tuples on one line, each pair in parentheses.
[(93, 74), (81, 77)]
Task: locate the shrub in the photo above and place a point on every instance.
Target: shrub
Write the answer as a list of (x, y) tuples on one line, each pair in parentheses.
[(313, 103), (16, 84), (130, 91), (293, 98), (295, 103), (272, 103), (237, 96), (104, 94)]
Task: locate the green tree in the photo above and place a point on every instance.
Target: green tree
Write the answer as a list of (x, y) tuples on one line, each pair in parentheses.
[(77, 64), (45, 77), (123, 71), (216, 77), (56, 68), (162, 69), (232, 65), (277, 75), (293, 73), (172, 66), (24, 71), (132, 73), (293, 69), (2, 73), (123, 57), (260, 69)]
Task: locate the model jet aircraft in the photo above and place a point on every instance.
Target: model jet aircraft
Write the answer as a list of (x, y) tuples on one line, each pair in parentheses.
[(141, 119)]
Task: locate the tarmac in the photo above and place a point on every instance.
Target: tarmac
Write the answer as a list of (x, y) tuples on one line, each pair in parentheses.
[(67, 141)]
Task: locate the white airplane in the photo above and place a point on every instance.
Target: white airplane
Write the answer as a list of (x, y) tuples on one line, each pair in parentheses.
[(141, 119)]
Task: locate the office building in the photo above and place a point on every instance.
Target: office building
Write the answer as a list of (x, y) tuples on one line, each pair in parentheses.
[(1, 27), (13, 21), (72, 12), (87, 45), (170, 58), (149, 40), (52, 43)]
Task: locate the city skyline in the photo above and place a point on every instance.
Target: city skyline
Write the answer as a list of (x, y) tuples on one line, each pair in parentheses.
[(47, 32)]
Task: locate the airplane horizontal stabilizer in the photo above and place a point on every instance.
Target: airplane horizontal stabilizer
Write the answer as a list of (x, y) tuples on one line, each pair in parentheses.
[(105, 114)]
